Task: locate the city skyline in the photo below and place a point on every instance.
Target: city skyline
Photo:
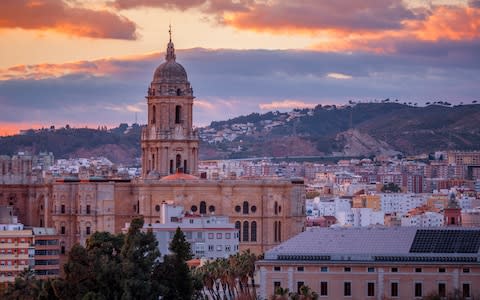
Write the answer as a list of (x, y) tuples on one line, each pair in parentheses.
[(86, 63)]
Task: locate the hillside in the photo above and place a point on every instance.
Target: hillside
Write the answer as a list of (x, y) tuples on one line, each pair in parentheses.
[(362, 129)]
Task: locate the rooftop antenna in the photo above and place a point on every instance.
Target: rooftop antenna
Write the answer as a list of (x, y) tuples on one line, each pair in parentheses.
[(136, 118), (170, 31)]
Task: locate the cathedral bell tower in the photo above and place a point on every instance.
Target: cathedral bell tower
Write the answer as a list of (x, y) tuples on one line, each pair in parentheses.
[(169, 142)]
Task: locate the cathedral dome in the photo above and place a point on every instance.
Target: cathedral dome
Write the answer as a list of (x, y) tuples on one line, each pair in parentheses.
[(170, 71)]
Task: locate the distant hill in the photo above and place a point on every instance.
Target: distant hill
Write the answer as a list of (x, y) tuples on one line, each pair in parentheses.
[(362, 129), (120, 145)]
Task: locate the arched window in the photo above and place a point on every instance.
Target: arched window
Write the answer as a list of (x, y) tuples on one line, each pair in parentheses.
[(245, 207), (279, 231), (275, 206), (238, 226), (154, 114), (178, 161), (179, 92), (253, 234), (178, 114), (245, 231), (203, 207), (275, 231), (185, 167)]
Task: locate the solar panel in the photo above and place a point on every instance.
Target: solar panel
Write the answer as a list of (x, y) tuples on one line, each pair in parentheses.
[(446, 241)]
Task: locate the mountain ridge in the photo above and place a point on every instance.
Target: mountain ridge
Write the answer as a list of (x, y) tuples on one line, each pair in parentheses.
[(357, 129)]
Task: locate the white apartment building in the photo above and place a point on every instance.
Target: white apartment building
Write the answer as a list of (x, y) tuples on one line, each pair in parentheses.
[(364, 217), (210, 236), (401, 203), (427, 219)]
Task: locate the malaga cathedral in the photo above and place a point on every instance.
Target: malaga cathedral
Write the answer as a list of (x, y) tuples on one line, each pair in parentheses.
[(265, 211)]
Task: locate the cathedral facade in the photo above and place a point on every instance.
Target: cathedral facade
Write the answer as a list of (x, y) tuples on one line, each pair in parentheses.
[(265, 211)]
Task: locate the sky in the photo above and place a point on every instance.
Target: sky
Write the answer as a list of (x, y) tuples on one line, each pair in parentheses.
[(89, 62)]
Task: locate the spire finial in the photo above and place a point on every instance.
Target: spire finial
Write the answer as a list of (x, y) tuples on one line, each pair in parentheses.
[(170, 48), (170, 31)]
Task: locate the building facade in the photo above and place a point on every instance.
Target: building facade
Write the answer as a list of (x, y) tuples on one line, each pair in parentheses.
[(376, 263)]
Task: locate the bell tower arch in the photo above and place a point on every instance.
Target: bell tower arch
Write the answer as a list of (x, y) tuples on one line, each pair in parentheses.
[(169, 141)]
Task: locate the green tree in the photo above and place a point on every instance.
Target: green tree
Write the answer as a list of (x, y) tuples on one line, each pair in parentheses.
[(391, 188), (174, 276), (139, 256)]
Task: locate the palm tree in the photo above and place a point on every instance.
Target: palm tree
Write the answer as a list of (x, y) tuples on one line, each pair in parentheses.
[(280, 294)]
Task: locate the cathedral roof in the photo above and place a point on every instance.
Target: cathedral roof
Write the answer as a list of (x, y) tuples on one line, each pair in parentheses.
[(179, 176)]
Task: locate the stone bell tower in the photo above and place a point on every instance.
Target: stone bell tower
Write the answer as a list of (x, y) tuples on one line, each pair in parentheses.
[(169, 142)]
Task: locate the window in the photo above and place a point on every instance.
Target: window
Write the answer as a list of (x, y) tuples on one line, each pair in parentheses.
[(178, 161), (275, 207), (245, 207), (211, 208), (442, 289), (277, 269), (190, 221), (237, 226), (154, 113), (466, 270), (253, 237), (210, 235), (157, 208), (323, 288), (193, 208), (394, 289), (371, 289), (203, 207), (88, 209), (228, 235), (466, 290), (418, 289), (178, 114), (210, 248), (347, 269), (276, 286), (300, 269), (219, 236), (62, 249), (394, 270), (245, 231), (219, 247), (441, 270), (299, 285), (418, 270), (370, 269), (238, 208), (324, 269), (88, 230), (62, 230), (253, 208), (347, 288), (62, 208)]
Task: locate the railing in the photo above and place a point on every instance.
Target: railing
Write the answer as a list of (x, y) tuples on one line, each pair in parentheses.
[(155, 134)]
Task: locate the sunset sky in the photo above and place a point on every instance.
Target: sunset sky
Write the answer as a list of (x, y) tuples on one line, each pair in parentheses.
[(89, 63)]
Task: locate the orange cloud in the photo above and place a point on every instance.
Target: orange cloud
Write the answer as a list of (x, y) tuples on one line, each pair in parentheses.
[(444, 24), (100, 67), (58, 16)]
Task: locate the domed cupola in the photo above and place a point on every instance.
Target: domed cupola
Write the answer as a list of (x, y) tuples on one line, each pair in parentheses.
[(170, 78)]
